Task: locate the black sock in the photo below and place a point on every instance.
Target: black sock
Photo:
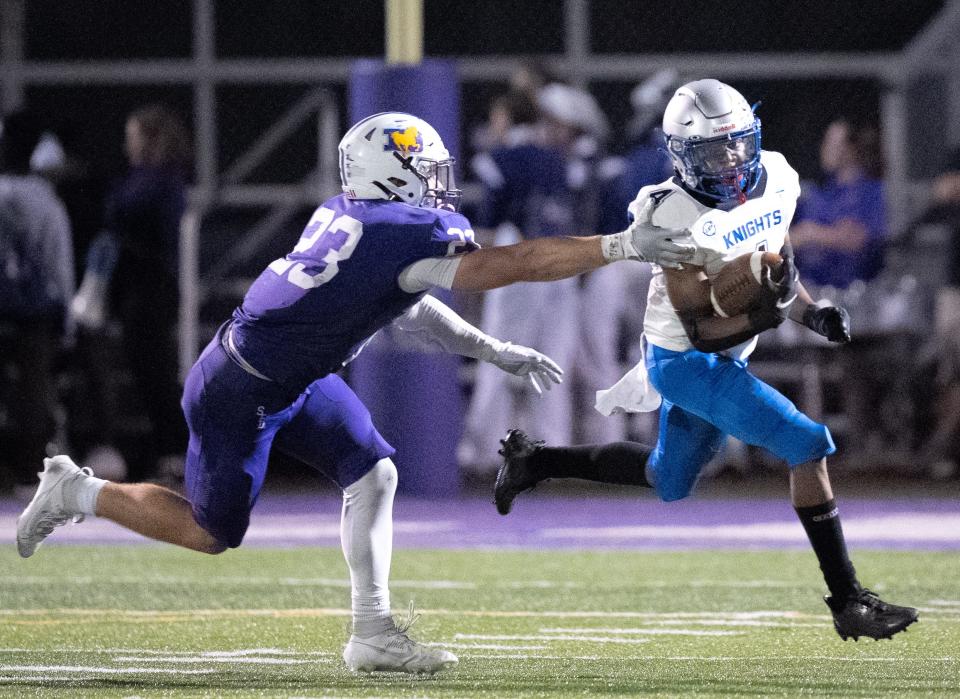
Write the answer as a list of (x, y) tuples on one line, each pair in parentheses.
[(822, 523), (618, 462)]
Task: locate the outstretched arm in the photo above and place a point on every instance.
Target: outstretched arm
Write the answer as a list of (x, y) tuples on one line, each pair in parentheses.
[(435, 324), (537, 260), (549, 259)]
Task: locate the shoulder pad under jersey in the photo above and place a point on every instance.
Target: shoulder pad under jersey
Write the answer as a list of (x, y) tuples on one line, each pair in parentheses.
[(674, 208), (780, 175)]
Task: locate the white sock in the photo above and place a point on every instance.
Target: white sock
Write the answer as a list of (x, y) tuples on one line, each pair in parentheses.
[(80, 495), (366, 535)]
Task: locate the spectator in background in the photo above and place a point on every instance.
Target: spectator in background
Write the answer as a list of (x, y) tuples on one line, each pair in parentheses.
[(511, 112), (620, 178), (839, 230), (646, 161), (940, 450), (578, 129), (839, 235), (36, 282), (143, 214), (526, 196)]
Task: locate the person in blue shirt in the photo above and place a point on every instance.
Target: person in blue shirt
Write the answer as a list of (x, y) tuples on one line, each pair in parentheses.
[(268, 378), (840, 224)]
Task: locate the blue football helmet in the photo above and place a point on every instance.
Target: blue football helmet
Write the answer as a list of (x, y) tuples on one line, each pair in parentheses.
[(713, 139)]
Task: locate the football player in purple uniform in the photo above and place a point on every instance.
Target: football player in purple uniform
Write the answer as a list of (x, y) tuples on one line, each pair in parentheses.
[(365, 259)]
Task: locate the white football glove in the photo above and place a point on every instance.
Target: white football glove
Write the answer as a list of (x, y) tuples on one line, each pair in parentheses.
[(524, 361), (667, 247), (643, 241)]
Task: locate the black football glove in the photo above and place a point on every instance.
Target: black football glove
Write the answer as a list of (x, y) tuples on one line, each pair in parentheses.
[(780, 293), (833, 322), (789, 278)]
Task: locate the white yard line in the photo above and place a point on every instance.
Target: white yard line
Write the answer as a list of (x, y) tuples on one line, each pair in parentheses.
[(206, 654), (698, 658), (146, 614), (645, 632), (216, 660), (102, 670), (895, 527), (483, 646), (254, 581), (582, 639)]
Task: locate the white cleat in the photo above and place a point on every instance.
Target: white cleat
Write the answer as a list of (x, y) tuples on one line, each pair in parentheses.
[(394, 651), (46, 511)]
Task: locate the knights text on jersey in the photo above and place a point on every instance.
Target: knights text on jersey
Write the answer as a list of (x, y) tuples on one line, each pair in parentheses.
[(760, 223), (307, 311)]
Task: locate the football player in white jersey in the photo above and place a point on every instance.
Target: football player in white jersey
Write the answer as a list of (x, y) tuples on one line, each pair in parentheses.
[(734, 199)]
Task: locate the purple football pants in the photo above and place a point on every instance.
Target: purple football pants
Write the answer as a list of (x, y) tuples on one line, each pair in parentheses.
[(235, 418)]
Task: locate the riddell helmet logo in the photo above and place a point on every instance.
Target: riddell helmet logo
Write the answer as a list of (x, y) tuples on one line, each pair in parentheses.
[(405, 141), (722, 129)]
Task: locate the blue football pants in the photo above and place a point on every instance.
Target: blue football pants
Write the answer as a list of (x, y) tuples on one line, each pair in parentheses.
[(707, 396)]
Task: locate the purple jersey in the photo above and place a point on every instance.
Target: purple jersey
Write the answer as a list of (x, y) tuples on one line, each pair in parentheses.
[(307, 312)]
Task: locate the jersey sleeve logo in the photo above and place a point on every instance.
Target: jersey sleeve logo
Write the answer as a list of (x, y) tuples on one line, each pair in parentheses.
[(709, 228), (404, 141)]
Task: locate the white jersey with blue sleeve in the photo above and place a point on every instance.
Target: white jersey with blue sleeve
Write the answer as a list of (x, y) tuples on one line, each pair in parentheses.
[(760, 223)]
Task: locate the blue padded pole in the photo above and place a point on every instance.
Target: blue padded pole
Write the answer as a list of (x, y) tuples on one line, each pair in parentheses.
[(414, 397)]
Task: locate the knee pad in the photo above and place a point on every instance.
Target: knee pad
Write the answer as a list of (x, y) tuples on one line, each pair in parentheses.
[(673, 491), (667, 489), (380, 480)]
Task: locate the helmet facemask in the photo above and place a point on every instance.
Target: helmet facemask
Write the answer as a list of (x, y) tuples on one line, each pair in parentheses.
[(439, 190), (722, 168)]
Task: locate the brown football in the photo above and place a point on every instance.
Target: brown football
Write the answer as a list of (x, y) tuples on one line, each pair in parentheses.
[(736, 289)]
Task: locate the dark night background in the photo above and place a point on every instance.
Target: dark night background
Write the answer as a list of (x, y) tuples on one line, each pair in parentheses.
[(794, 111)]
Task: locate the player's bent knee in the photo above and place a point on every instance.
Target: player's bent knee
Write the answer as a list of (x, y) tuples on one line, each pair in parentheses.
[(817, 443), (200, 539), (666, 489), (671, 492), (673, 495), (215, 549), (208, 544), (379, 481), (385, 474)]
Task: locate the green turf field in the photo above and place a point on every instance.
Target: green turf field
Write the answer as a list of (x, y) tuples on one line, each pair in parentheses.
[(153, 621)]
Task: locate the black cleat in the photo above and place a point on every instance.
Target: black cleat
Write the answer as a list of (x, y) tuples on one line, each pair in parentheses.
[(865, 614), (515, 476)]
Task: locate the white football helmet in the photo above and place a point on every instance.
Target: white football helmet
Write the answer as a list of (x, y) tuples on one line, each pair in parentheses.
[(713, 138), (400, 157)]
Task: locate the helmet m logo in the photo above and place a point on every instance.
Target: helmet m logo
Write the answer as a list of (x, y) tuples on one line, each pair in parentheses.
[(404, 141)]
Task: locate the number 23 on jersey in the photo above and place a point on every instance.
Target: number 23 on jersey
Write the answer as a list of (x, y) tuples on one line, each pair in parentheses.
[(329, 239)]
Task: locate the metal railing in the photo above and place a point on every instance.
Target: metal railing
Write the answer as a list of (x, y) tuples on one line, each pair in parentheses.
[(934, 51)]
